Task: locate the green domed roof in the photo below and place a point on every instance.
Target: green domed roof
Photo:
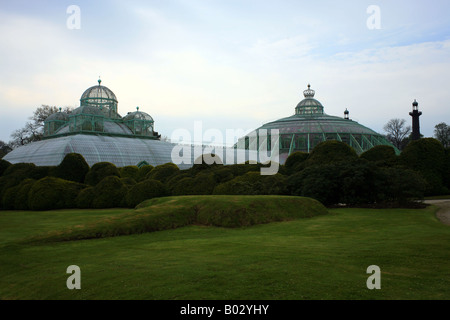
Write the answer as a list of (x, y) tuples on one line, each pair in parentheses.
[(310, 125)]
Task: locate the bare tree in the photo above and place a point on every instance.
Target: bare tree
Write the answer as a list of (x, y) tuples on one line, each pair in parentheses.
[(4, 148), (442, 133), (397, 132), (34, 130)]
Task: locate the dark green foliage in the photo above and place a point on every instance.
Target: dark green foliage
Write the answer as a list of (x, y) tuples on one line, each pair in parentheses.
[(241, 169), (21, 198), (3, 166), (163, 172), (9, 198), (173, 212), (447, 169), (16, 173), (143, 171), (53, 193), (128, 181), (356, 183), (400, 185), (85, 198), (73, 168), (130, 172), (109, 193), (295, 162), (381, 155), (147, 189), (331, 151), (222, 174), (99, 171), (427, 156), (201, 184), (253, 183)]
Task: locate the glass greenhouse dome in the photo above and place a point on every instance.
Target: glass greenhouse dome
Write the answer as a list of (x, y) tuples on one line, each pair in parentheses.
[(97, 131), (310, 125)]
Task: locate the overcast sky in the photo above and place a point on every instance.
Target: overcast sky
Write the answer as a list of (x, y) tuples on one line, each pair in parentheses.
[(232, 64)]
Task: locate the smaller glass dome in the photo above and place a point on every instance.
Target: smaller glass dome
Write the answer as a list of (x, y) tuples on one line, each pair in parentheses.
[(137, 115), (140, 123), (55, 122)]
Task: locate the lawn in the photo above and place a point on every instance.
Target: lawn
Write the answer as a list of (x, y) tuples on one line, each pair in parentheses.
[(320, 257)]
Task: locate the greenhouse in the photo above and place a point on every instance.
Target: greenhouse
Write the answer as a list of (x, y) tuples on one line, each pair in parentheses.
[(309, 126), (98, 132)]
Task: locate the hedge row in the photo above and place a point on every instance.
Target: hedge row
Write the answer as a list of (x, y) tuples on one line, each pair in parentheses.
[(332, 173)]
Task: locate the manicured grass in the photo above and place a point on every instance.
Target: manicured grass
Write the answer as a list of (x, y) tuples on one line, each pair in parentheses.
[(322, 257)]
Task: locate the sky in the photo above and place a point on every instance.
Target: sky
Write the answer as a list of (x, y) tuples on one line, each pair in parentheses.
[(231, 64)]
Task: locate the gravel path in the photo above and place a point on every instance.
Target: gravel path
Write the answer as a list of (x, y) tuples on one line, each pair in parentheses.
[(443, 213)]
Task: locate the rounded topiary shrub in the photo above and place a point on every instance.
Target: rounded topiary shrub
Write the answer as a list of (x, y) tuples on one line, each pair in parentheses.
[(99, 171), (331, 151), (9, 198), (109, 193), (21, 198), (143, 172), (295, 161), (73, 168), (53, 193), (426, 156), (129, 172), (147, 189), (163, 172), (382, 155), (128, 181), (16, 173), (85, 198)]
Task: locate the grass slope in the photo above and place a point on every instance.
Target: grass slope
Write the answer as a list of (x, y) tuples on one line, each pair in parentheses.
[(324, 257), (174, 212)]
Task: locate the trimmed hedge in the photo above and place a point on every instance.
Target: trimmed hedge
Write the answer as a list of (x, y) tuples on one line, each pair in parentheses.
[(73, 168), (85, 198), (130, 172), (163, 172), (355, 183), (99, 171), (331, 151), (147, 189), (427, 156), (253, 183), (295, 162), (201, 184), (109, 193), (16, 173), (381, 155), (143, 171), (53, 193)]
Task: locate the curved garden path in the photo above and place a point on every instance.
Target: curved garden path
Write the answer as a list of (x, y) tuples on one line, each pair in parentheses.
[(443, 214)]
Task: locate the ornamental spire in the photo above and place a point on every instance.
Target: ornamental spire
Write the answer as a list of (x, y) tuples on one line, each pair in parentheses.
[(309, 93)]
